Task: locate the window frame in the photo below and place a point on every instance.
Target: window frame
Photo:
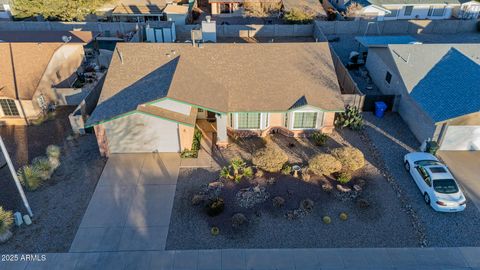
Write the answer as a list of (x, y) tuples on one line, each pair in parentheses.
[(264, 121), (406, 9), (9, 103), (294, 116), (438, 8)]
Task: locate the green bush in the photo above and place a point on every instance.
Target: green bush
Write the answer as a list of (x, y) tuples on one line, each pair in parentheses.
[(29, 177), (236, 170), (298, 16), (351, 158), (270, 159), (53, 151), (319, 138), (343, 216), (286, 169), (324, 164), (351, 118), (6, 220), (343, 177), (193, 152), (327, 220)]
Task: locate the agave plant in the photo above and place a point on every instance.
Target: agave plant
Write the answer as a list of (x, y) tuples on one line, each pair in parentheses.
[(30, 177), (6, 220), (43, 166), (351, 118), (236, 170)]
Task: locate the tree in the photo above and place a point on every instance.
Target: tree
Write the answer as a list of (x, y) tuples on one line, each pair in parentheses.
[(62, 10)]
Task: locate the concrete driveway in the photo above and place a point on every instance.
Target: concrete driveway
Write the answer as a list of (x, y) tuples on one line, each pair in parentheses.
[(465, 165), (131, 206)]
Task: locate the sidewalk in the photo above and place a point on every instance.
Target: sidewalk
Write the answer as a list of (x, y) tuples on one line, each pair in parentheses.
[(264, 259)]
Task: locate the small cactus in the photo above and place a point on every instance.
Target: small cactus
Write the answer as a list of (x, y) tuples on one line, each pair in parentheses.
[(343, 216), (351, 118), (215, 231), (327, 220)]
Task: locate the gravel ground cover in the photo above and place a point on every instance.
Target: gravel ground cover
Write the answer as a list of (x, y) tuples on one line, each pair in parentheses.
[(59, 205), (384, 224), (392, 139)]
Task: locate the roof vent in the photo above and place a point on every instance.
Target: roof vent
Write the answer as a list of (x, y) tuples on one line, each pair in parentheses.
[(208, 18)]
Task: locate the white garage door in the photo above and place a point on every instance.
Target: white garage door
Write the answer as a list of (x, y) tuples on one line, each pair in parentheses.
[(139, 133), (462, 138)]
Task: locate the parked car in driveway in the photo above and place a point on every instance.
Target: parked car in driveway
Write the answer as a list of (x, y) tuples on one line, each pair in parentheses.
[(437, 184)]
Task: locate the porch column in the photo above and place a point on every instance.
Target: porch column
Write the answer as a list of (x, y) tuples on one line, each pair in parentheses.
[(222, 137)]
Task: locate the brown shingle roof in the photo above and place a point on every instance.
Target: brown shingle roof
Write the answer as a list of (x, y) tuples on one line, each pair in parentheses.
[(221, 77), (30, 61)]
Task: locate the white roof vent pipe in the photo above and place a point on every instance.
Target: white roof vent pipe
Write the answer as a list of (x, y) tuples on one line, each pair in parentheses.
[(208, 18)]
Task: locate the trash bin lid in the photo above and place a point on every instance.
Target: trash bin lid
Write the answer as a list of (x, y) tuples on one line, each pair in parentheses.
[(380, 105)]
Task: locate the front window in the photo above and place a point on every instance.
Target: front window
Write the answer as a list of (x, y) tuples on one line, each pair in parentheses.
[(439, 11), (445, 186), (248, 120), (408, 10), (305, 120), (9, 107)]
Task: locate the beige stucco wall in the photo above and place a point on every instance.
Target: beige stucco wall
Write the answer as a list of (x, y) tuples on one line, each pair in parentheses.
[(186, 136), (26, 109), (64, 63), (276, 119), (215, 9)]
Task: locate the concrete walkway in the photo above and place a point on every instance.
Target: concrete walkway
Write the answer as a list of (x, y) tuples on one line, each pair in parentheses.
[(263, 259), (131, 206)]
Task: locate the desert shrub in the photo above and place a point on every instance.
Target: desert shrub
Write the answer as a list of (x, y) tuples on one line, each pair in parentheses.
[(362, 203), (343, 216), (29, 177), (278, 201), (327, 220), (319, 139), (351, 158), (215, 207), (238, 220), (270, 159), (286, 169), (324, 164), (353, 9), (351, 118), (259, 174), (53, 151), (43, 166), (343, 177), (298, 16), (215, 231), (236, 170), (6, 220)]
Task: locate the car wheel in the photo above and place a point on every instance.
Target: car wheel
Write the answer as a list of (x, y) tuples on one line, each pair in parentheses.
[(407, 166), (426, 198)]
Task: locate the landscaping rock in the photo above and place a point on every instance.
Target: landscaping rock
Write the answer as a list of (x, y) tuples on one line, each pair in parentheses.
[(357, 188), (278, 202), (327, 187), (199, 198), (249, 197), (344, 189), (362, 203), (238, 220)]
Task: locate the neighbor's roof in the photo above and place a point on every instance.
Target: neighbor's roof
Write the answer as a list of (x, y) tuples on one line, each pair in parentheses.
[(140, 7), (29, 61), (221, 77), (46, 36), (383, 41), (403, 2), (442, 78), (176, 9), (312, 6)]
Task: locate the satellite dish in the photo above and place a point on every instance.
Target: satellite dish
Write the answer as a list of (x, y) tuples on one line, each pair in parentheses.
[(66, 38)]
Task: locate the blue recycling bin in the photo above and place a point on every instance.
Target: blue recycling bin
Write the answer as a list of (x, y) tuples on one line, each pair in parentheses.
[(380, 108)]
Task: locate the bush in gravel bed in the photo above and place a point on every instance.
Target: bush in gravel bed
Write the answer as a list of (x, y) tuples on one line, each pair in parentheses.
[(6, 222), (53, 151), (286, 169), (324, 164), (319, 139), (270, 159), (236, 171), (343, 216), (343, 177), (43, 166), (29, 177), (215, 207), (351, 118), (351, 158)]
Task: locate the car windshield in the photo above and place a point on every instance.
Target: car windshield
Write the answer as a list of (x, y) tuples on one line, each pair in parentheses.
[(445, 186), (427, 162)]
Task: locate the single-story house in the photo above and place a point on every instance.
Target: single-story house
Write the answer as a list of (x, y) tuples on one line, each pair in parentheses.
[(439, 88), (29, 73), (133, 10), (154, 93), (411, 9), (5, 10), (177, 13)]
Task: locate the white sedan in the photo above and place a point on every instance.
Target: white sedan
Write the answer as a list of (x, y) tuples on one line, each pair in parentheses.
[(436, 182)]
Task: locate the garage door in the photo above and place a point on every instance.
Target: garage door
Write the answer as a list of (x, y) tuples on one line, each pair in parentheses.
[(462, 138), (140, 133)]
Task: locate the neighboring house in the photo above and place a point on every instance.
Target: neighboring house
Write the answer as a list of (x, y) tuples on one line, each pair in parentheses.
[(439, 88), (154, 93), (5, 10), (29, 73), (133, 10), (177, 13), (412, 9)]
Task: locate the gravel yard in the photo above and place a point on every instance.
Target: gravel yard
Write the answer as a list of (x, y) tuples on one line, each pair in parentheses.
[(392, 140), (383, 224), (59, 205)]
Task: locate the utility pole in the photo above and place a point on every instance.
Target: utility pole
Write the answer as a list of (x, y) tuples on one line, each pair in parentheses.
[(15, 177)]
